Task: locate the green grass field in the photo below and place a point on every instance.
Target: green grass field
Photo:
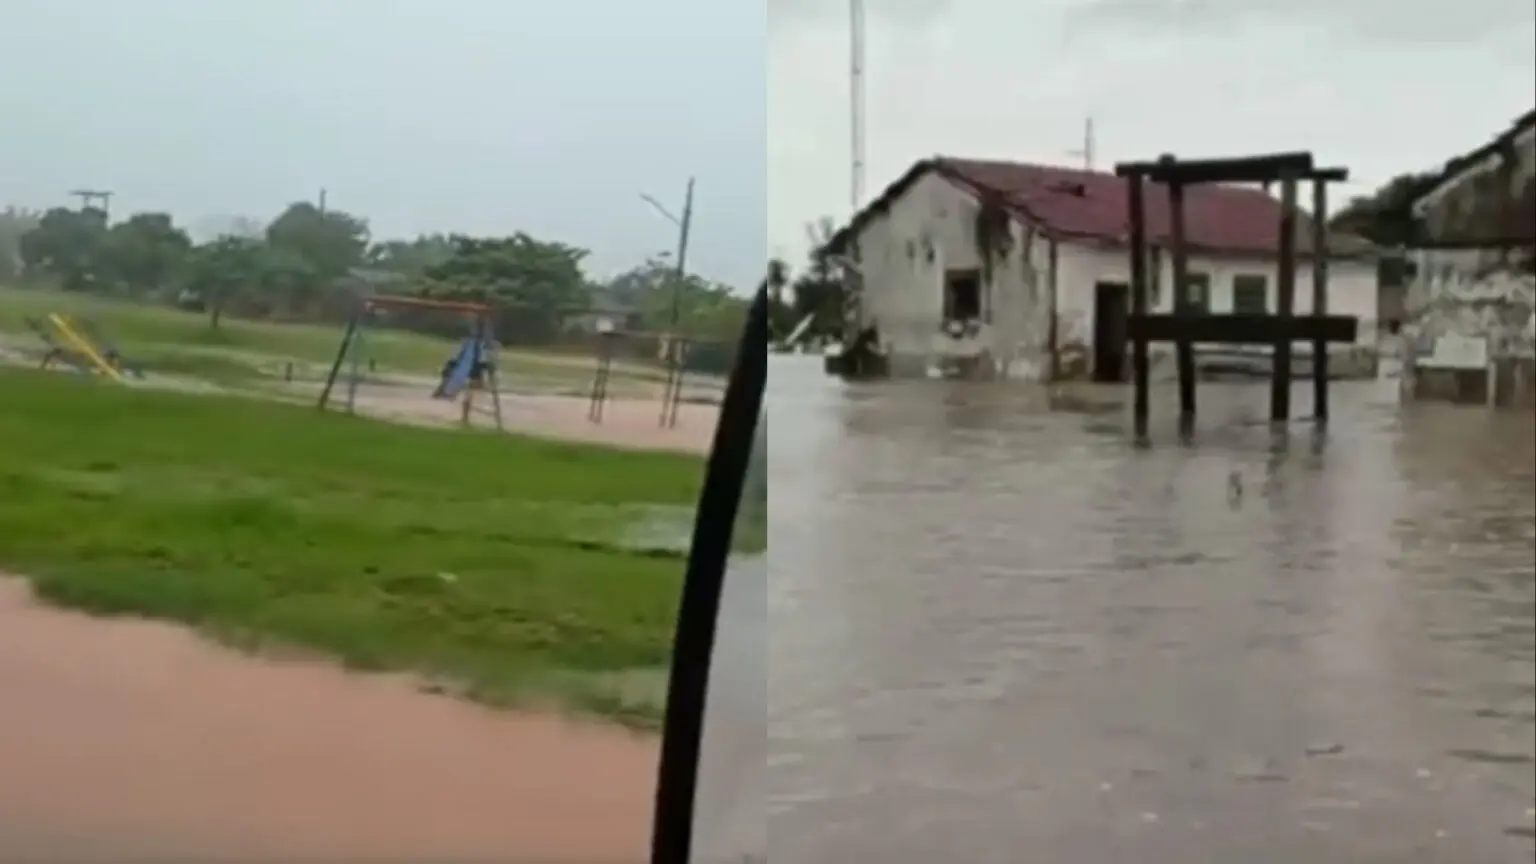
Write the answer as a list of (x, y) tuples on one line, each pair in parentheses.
[(505, 566), (242, 353)]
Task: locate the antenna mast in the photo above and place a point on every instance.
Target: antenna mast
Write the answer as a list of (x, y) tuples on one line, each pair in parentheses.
[(856, 100), (1086, 153)]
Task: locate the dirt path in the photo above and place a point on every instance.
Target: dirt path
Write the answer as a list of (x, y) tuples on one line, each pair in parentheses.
[(626, 422), (128, 738)]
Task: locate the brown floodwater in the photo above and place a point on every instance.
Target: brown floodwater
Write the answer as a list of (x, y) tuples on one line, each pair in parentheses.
[(1001, 633), (123, 739)]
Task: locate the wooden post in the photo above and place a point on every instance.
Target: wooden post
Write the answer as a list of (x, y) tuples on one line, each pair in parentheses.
[(1182, 307), (1285, 304), (1140, 363), (599, 394), (1320, 254)]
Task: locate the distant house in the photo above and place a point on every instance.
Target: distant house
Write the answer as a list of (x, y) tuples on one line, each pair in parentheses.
[(604, 315), (1023, 269)]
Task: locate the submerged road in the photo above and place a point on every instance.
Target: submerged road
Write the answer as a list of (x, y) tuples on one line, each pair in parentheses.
[(998, 633), (135, 741)]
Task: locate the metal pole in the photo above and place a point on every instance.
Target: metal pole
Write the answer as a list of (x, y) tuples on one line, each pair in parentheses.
[(683, 227), (856, 103), (674, 347)]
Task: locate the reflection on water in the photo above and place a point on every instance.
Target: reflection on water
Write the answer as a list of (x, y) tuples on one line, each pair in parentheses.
[(1000, 631)]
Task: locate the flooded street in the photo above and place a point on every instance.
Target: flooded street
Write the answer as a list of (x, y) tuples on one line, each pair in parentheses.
[(1000, 633), (129, 740)]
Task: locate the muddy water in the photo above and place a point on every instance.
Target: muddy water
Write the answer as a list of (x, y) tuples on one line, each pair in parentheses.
[(1000, 634), (126, 740)]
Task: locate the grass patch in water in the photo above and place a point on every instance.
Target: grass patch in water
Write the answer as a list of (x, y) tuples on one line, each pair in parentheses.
[(500, 562)]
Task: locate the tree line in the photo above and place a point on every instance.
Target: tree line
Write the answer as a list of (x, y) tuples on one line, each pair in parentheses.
[(814, 290), (312, 264)]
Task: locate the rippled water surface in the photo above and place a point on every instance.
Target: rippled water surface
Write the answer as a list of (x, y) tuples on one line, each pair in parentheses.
[(999, 633)]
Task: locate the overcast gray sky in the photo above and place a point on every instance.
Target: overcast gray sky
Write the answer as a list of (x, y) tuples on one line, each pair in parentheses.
[(423, 115), (1380, 87)]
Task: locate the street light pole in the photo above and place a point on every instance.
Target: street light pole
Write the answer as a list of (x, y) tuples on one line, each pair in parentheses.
[(683, 227), (672, 394)]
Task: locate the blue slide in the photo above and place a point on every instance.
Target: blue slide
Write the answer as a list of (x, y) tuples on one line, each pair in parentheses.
[(459, 369)]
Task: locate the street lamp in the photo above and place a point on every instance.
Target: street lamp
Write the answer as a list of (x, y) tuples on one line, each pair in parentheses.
[(683, 225)]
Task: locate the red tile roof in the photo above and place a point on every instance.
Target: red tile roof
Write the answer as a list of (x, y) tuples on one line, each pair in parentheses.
[(1074, 205)]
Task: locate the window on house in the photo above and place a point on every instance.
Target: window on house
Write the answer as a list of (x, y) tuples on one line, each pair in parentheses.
[(962, 295), (1250, 294), (1197, 292)]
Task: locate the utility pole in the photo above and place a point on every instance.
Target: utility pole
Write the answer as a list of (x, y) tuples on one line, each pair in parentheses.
[(856, 142), (684, 225), (1087, 152), (321, 205), (97, 199)]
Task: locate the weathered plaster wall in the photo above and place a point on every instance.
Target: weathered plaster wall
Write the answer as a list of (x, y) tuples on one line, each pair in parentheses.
[(1455, 293), (904, 254)]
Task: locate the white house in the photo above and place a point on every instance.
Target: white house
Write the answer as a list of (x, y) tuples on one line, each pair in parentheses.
[(1022, 270)]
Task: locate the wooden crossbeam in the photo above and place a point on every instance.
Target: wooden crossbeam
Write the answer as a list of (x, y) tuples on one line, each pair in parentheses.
[(1243, 329), (1245, 169)]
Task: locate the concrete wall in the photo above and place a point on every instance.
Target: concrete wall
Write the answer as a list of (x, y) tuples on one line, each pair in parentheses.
[(903, 255), (905, 252), (1457, 294)]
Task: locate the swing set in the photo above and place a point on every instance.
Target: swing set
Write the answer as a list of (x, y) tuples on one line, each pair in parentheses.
[(471, 368)]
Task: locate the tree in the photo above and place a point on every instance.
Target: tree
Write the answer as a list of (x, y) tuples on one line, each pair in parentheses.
[(410, 257), (536, 283), (67, 245), (1384, 217), (15, 223), (144, 252), (218, 272), (331, 242), (781, 317), (818, 290)]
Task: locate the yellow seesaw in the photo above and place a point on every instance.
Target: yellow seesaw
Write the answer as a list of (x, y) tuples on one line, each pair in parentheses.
[(83, 346)]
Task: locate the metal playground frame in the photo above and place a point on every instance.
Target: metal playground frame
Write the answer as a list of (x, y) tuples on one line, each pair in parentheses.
[(471, 368)]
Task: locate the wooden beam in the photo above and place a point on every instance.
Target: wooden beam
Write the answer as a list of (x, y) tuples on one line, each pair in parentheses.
[(1243, 329), (1285, 304), (1243, 169), (1141, 363), (1319, 298), (387, 301), (1182, 307)]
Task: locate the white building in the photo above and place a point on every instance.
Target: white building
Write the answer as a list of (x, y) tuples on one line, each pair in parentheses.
[(1022, 270)]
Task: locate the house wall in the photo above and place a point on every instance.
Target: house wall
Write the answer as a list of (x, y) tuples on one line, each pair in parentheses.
[(1457, 294), (904, 253), (1351, 291)]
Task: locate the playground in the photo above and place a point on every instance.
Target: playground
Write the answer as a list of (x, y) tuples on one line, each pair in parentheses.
[(513, 569), (517, 571), (387, 373)]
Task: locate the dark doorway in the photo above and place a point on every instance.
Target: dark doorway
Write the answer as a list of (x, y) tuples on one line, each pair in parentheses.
[(1111, 312)]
